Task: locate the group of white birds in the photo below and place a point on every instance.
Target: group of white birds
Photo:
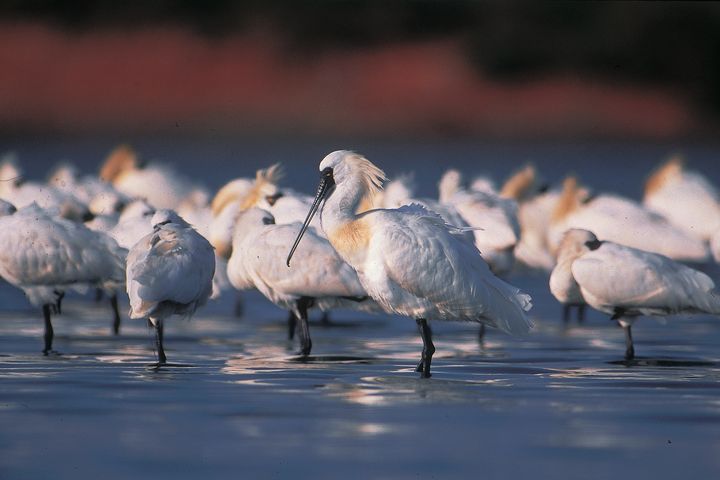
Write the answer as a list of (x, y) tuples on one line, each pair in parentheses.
[(144, 229)]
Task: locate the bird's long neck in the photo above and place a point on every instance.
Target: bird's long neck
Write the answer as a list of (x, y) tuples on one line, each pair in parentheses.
[(340, 207), (346, 231)]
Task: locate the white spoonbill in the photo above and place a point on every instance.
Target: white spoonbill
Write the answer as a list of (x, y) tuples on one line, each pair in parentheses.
[(319, 278), (684, 197), (45, 255), (14, 188), (169, 271), (618, 219), (407, 259), (160, 185), (535, 206), (626, 282)]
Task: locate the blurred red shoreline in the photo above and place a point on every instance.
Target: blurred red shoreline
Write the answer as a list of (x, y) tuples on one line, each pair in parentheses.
[(155, 80)]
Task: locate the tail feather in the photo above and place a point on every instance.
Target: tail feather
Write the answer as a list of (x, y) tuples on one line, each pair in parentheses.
[(508, 313)]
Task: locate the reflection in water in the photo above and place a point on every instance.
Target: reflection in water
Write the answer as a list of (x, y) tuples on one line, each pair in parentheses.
[(237, 397)]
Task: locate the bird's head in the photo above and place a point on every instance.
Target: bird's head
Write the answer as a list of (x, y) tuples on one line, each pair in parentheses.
[(343, 168), (576, 242), (165, 217)]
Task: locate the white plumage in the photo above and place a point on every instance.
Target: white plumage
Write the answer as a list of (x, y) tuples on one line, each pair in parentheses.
[(408, 260), (169, 271), (45, 255), (399, 192), (160, 185), (685, 198), (535, 207), (134, 222), (623, 221), (318, 277), (626, 282), (21, 193), (494, 217)]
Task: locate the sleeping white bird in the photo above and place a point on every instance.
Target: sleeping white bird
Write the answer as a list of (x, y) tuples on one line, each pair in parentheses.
[(134, 222), (15, 189), (160, 185), (319, 277), (686, 198), (169, 271), (618, 219), (407, 259), (45, 256), (626, 282)]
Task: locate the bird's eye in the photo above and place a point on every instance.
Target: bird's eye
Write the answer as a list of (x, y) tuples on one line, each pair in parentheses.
[(327, 172), (268, 221)]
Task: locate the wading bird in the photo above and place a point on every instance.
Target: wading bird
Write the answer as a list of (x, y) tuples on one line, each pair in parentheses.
[(169, 272), (407, 259), (626, 282), (320, 278), (45, 256)]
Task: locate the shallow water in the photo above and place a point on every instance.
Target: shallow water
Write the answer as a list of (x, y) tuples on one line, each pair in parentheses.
[(236, 401)]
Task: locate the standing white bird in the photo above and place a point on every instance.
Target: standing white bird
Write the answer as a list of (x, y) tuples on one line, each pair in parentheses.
[(407, 259), (169, 271), (684, 197), (45, 255), (321, 278), (626, 282)]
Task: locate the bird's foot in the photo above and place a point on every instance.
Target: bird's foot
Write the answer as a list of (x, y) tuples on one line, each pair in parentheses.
[(630, 354)]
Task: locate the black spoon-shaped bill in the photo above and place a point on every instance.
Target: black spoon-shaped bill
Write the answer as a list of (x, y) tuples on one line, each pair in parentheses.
[(326, 183)]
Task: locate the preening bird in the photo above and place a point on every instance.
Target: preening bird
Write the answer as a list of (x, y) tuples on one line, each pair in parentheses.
[(169, 272), (407, 259), (626, 282)]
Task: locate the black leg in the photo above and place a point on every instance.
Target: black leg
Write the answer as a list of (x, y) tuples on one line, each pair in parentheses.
[(581, 313), (58, 302), (325, 319), (98, 294), (428, 348), (629, 348), (239, 309), (305, 342), (48, 330), (481, 334), (566, 314), (292, 323), (162, 359), (116, 314)]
